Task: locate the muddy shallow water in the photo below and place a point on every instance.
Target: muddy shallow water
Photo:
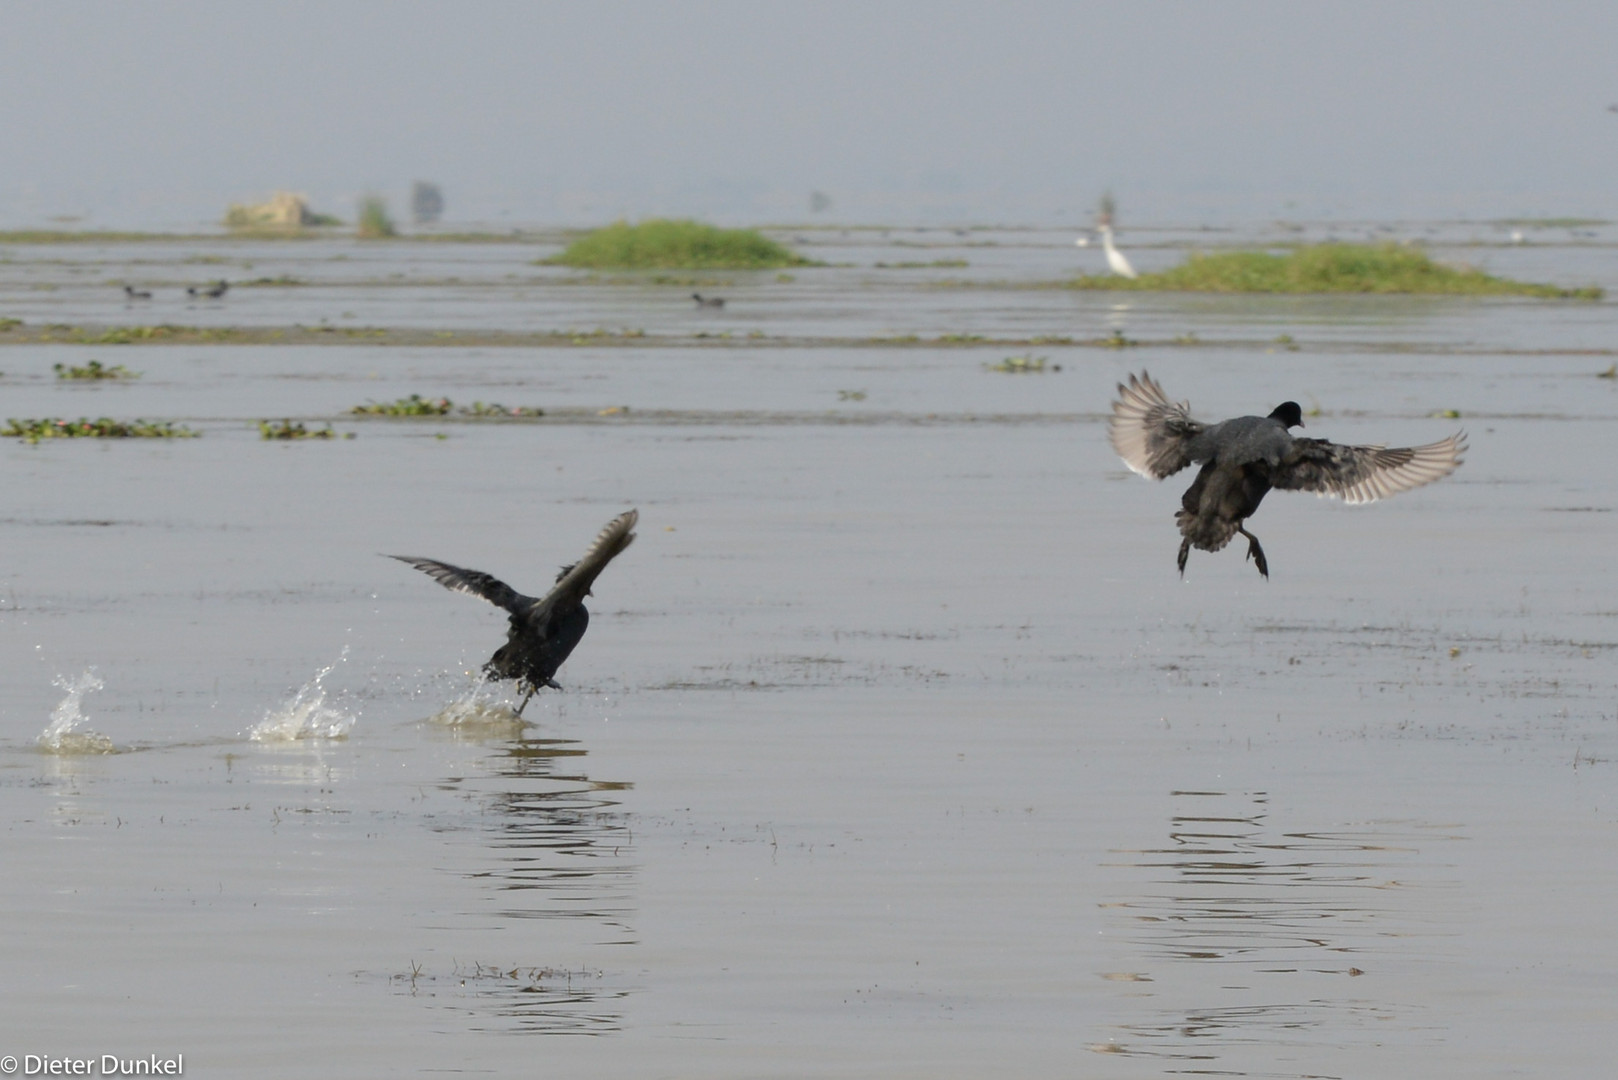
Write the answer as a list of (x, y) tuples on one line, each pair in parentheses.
[(897, 747)]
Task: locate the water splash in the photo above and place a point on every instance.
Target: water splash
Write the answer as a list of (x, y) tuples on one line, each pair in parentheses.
[(475, 712), (59, 736), (306, 715)]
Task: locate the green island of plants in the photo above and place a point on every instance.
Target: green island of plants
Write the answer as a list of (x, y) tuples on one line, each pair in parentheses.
[(666, 244), (416, 405), (479, 408), (95, 370), (1023, 365), (288, 430), (50, 428), (1329, 268)]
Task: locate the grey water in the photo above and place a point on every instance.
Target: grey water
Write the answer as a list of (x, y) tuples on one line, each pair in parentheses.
[(897, 746)]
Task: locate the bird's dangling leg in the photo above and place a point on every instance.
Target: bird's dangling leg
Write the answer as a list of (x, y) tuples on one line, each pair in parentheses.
[(1255, 552), (532, 689), (1185, 552)]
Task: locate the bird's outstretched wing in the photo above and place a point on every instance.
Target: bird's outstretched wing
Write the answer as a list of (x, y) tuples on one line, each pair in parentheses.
[(1150, 432), (475, 582), (573, 583), (1358, 474)]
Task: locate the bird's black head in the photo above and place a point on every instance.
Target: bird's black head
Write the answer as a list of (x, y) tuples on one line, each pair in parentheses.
[(1289, 413)]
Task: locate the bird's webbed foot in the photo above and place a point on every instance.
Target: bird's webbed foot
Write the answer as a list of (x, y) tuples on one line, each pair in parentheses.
[(1256, 553)]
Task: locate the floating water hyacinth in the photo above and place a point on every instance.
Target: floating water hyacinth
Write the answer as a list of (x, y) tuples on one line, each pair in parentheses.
[(414, 405), (306, 715), (288, 430), (55, 428), (60, 736), (94, 371)]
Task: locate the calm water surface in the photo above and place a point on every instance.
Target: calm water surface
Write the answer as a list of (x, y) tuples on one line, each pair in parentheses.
[(897, 747)]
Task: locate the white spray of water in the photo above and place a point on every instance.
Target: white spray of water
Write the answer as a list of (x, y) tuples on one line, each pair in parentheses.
[(306, 715), (59, 736), (473, 711)]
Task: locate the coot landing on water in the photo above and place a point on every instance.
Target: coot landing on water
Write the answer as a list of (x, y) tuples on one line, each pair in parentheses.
[(1242, 459), (543, 631)]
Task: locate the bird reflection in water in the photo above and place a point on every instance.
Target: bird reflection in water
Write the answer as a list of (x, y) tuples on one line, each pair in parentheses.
[(1250, 937), (561, 850)]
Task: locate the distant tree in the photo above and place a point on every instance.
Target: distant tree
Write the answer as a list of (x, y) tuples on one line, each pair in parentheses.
[(426, 202), (819, 202), (374, 220)]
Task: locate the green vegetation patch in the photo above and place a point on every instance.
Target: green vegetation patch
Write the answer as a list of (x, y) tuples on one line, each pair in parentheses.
[(1555, 222), (50, 428), (67, 333), (1023, 365), (416, 405), (478, 408), (94, 370), (1329, 268), (66, 236), (374, 222), (664, 244), (288, 430)]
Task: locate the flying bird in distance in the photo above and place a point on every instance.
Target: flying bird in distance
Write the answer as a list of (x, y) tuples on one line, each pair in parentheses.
[(544, 631), (1243, 458)]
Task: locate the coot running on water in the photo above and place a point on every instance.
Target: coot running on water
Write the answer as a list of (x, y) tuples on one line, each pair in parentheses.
[(1243, 458), (543, 631)]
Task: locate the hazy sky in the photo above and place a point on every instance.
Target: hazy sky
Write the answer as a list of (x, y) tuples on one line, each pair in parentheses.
[(159, 113)]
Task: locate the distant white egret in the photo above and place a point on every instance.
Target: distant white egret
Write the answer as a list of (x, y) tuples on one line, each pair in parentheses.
[(1115, 258)]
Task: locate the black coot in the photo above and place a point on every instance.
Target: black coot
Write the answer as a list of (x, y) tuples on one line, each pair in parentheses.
[(1242, 459), (545, 630)]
